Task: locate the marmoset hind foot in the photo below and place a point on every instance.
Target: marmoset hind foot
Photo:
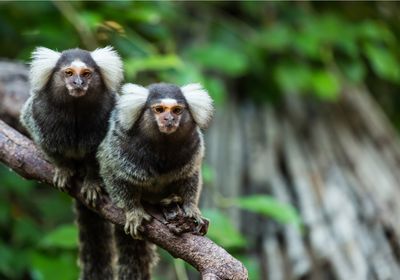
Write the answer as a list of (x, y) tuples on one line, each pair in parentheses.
[(134, 219), (62, 177), (91, 191)]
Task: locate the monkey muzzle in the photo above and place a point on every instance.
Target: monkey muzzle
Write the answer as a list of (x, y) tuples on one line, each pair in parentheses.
[(77, 87), (168, 124)]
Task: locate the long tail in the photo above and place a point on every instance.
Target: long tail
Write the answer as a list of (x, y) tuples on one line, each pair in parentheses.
[(136, 258), (95, 250)]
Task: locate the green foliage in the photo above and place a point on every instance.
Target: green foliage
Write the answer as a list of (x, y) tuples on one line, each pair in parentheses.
[(27, 245), (304, 49), (253, 267), (63, 237), (269, 207), (220, 58), (222, 231), (45, 266)]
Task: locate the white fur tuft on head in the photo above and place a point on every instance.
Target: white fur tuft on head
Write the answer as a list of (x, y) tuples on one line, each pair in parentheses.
[(43, 62), (131, 103), (110, 65), (200, 103)]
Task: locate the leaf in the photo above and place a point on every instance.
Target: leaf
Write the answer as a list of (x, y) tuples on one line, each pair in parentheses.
[(61, 267), (65, 237), (216, 89), (325, 85), (277, 37), (208, 174), (26, 231), (6, 256), (253, 266), (5, 211), (292, 77), (13, 261), (155, 63), (222, 231), (269, 207), (354, 70), (13, 182), (375, 31), (383, 62), (218, 57), (145, 14)]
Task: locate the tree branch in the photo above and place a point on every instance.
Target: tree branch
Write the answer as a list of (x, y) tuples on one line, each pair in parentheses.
[(213, 262)]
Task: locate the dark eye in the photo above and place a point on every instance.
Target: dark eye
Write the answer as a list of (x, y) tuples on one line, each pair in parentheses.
[(159, 109), (68, 73), (86, 74), (177, 110)]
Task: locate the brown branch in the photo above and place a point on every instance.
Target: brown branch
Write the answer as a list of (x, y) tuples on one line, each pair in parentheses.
[(213, 262)]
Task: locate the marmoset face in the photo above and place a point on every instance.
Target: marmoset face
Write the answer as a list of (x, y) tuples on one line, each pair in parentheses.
[(168, 113), (77, 77)]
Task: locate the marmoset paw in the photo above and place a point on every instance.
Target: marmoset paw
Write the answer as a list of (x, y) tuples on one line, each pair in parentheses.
[(192, 211), (61, 178), (134, 219), (91, 191)]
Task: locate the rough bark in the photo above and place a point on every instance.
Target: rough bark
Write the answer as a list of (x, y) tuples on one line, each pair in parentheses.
[(20, 154)]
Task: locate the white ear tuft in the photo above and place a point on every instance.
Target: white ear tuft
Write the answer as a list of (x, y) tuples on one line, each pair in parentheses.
[(200, 103), (43, 62), (110, 65), (131, 104)]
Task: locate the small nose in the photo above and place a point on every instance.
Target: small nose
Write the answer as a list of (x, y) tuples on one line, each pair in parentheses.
[(168, 117), (78, 82)]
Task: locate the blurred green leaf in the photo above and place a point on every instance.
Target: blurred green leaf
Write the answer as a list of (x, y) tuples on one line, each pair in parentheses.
[(384, 63), (375, 31), (65, 237), (5, 211), (45, 267), (277, 37), (145, 14), (325, 85), (253, 266), (59, 202), (154, 63), (90, 18), (185, 75), (216, 89), (208, 174), (354, 70), (269, 207), (13, 261), (11, 181), (222, 231), (218, 57), (293, 77), (26, 231), (6, 256)]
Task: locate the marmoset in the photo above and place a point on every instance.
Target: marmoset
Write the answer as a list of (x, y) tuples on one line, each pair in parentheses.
[(72, 96), (153, 152)]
